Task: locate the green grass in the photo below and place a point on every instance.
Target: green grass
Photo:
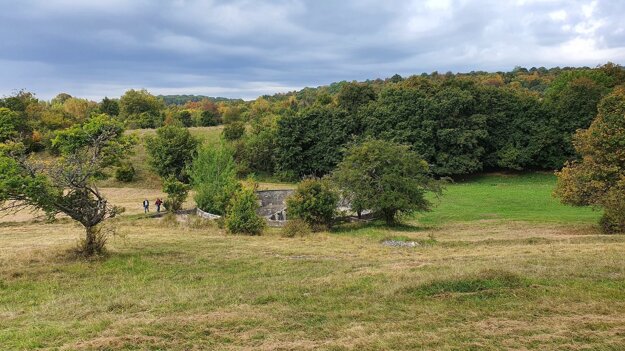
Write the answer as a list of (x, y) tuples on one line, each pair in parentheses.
[(516, 197), (525, 280)]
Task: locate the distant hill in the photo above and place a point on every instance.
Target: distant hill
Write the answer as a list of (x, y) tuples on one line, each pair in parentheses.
[(183, 99)]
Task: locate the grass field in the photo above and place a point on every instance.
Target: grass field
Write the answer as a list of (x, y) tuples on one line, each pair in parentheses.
[(497, 265)]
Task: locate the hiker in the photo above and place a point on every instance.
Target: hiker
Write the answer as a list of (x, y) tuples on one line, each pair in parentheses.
[(158, 204), (146, 206)]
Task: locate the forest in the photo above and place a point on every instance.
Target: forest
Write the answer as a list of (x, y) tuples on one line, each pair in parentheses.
[(461, 124)]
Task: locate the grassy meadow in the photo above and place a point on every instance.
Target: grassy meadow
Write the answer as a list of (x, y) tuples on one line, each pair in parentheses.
[(497, 265)]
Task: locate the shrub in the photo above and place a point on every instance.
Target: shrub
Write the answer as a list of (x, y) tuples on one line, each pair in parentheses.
[(314, 202), (234, 131), (125, 172), (176, 194), (295, 227), (241, 217), (214, 178)]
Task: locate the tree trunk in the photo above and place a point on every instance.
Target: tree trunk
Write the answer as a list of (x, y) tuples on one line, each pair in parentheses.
[(389, 216), (91, 245)]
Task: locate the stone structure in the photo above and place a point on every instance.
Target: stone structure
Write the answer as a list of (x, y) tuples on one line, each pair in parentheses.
[(273, 206)]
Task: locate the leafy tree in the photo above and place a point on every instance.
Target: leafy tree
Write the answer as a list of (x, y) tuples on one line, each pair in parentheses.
[(518, 130), (598, 179), (109, 106), (441, 124), (258, 152), (186, 118), (177, 192), (67, 184), (11, 125), (209, 118), (314, 202), (241, 217), (214, 179), (385, 177), (171, 151), (310, 143), (60, 99), (79, 109), (354, 95), (139, 108), (234, 131)]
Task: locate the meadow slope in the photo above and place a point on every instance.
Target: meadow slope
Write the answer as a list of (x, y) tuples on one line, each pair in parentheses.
[(480, 276)]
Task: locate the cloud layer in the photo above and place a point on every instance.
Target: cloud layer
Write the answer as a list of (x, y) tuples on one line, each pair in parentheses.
[(245, 48)]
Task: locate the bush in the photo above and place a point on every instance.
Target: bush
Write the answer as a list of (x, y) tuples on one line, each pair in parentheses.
[(214, 178), (241, 217), (295, 227), (125, 172), (234, 131), (314, 202), (176, 194)]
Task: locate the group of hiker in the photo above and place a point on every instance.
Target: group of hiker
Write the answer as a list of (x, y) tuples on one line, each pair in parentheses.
[(146, 205)]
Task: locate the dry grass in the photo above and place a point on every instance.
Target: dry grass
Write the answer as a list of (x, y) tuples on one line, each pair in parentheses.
[(468, 283), (184, 288)]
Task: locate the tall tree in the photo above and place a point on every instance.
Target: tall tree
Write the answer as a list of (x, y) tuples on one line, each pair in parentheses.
[(598, 179)]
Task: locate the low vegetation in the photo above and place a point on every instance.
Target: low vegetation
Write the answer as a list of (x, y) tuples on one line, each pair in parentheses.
[(314, 202)]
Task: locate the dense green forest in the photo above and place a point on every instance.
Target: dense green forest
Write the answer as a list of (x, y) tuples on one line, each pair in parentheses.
[(183, 99), (460, 123)]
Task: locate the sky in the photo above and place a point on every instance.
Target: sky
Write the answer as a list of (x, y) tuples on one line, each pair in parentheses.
[(247, 48)]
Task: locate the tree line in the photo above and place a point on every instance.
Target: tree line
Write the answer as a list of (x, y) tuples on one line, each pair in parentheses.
[(460, 124)]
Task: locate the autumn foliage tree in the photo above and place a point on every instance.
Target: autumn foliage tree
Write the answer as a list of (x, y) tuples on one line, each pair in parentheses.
[(598, 179)]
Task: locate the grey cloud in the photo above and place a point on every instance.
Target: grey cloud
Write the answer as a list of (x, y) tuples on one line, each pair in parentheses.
[(245, 48)]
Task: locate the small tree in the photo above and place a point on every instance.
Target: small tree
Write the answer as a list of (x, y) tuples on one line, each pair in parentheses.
[(67, 184), (241, 217), (598, 179), (315, 202), (171, 151), (177, 192), (385, 177), (214, 178)]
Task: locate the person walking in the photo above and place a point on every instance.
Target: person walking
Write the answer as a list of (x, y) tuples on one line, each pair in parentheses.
[(146, 206), (158, 203)]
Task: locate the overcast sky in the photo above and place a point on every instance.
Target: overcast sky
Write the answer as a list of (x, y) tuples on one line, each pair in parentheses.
[(93, 48)]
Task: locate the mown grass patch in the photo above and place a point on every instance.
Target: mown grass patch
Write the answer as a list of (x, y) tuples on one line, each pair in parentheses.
[(484, 284)]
